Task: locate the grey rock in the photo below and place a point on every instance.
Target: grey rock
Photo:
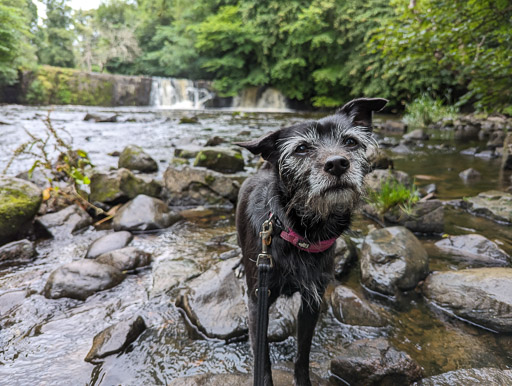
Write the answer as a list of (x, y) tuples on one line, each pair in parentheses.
[(223, 160), (416, 135), (344, 255), (486, 154), (65, 221), (168, 273), (125, 259), (115, 339), (506, 160), (135, 158), (470, 175), (374, 362), (215, 141), (350, 308), (392, 259), (393, 127), (200, 186), (17, 251), (80, 279), (100, 118), (470, 151), (474, 248), (376, 179), (107, 243), (469, 377), (466, 132), (496, 139), (120, 186), (19, 203), (187, 151), (215, 303), (144, 213), (492, 204), (380, 160), (10, 301), (426, 217), (481, 295)]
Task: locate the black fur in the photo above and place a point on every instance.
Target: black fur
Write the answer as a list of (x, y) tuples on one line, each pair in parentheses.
[(286, 186)]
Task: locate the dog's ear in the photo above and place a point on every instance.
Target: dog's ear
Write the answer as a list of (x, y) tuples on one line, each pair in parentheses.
[(265, 145), (360, 110)]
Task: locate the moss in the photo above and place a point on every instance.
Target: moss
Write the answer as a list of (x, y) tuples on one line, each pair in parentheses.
[(239, 156), (16, 208), (209, 179)]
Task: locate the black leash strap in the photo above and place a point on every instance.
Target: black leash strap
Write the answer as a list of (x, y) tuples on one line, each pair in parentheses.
[(264, 264)]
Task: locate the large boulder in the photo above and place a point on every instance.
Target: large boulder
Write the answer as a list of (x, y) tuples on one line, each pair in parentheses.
[(68, 220), (19, 203), (481, 295), (377, 178), (392, 259), (80, 279), (492, 204), (115, 339), (144, 213), (120, 186), (374, 362), (200, 186), (474, 248), (125, 259), (134, 158), (222, 160), (107, 243), (350, 308), (470, 377), (216, 304)]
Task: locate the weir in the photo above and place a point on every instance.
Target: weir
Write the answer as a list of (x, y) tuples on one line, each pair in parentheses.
[(178, 93)]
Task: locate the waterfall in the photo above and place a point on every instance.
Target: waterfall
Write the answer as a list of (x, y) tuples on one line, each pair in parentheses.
[(178, 93), (261, 99)]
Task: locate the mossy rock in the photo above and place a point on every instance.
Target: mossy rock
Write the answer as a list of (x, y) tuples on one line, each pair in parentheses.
[(190, 120), (220, 159), (19, 203), (135, 158)]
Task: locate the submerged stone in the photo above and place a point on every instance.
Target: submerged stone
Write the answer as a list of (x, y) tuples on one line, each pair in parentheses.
[(17, 252), (109, 242), (350, 308), (492, 204), (125, 259), (474, 248), (466, 377)]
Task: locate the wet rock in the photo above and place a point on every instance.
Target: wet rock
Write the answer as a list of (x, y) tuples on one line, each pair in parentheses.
[(168, 273), (350, 308), (120, 186), (374, 362), (496, 139), (199, 186), (107, 243), (19, 203), (215, 303), (125, 259), (187, 151), (486, 154), (466, 377), (380, 160), (465, 133), (392, 259), (474, 248), (470, 151), (215, 141), (280, 378), (223, 160), (9, 301), (144, 213), (65, 221), (376, 179), (402, 149), (115, 339), (134, 158), (426, 217), (393, 127), (416, 135), (470, 175), (344, 255), (17, 251), (80, 279), (100, 118), (492, 204), (190, 120), (481, 295), (506, 160)]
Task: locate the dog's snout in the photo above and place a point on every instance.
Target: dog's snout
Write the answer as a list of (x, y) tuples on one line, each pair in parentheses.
[(336, 165)]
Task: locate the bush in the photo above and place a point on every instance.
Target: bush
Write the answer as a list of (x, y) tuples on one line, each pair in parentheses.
[(426, 110)]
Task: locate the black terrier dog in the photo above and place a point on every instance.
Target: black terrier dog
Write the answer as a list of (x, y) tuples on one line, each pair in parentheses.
[(310, 184)]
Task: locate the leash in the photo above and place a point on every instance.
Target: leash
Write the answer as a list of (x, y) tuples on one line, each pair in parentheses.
[(264, 264)]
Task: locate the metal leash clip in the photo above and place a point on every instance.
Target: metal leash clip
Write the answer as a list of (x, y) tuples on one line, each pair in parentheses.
[(266, 240)]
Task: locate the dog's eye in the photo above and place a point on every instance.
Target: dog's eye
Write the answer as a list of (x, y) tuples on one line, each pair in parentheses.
[(301, 149), (350, 142)]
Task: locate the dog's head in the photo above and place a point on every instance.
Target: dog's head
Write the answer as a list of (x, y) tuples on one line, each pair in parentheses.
[(322, 164)]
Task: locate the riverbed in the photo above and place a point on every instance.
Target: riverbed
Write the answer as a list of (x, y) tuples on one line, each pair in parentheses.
[(45, 341)]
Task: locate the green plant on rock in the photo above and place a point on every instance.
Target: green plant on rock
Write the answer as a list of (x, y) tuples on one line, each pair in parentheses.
[(426, 110), (70, 166), (393, 194)]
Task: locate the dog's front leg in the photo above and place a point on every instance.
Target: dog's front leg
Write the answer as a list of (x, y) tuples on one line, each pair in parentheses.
[(307, 318), (253, 317)]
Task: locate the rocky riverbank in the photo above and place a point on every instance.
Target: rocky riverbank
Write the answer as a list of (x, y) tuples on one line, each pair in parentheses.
[(147, 292)]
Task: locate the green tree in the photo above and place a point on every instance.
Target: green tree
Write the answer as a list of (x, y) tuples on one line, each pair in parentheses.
[(57, 35)]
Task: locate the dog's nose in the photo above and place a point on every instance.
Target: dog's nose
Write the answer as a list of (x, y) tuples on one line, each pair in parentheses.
[(336, 165)]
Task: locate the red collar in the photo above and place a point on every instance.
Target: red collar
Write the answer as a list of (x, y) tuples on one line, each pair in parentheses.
[(300, 242)]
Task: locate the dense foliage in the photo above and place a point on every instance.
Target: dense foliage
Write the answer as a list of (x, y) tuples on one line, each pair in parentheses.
[(319, 51)]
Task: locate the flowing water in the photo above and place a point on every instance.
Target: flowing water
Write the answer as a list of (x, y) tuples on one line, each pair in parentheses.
[(44, 341)]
